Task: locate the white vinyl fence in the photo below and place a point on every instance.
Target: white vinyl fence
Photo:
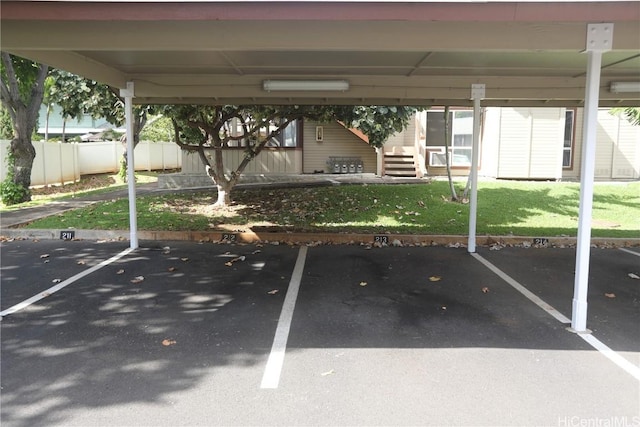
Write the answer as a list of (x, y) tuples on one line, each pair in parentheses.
[(57, 163)]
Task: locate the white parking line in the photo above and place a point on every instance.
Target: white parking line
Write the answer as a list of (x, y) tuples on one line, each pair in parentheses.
[(524, 291), (612, 355), (623, 363), (61, 285), (272, 371), (629, 251)]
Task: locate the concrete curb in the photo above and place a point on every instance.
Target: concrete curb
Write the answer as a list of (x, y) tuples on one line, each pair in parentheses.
[(316, 238)]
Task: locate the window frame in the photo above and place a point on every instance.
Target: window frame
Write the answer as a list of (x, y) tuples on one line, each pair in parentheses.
[(438, 150), (571, 147), (273, 144)]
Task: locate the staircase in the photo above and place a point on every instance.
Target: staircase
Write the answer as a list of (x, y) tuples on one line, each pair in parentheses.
[(400, 161)]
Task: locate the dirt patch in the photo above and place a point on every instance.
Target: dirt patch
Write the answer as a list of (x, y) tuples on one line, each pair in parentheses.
[(87, 182)]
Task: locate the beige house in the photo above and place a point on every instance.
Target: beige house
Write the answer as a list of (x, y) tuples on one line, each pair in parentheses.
[(516, 143), (529, 143), (305, 148)]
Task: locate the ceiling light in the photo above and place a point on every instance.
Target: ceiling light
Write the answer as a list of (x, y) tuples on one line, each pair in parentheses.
[(623, 87), (321, 85)]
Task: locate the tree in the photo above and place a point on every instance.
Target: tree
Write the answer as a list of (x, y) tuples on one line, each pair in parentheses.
[(77, 95), (632, 114), (447, 155), (21, 93), (216, 127)]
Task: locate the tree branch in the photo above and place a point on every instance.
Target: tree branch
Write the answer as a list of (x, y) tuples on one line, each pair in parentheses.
[(14, 90), (37, 93)]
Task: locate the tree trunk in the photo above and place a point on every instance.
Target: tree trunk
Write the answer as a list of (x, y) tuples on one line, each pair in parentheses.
[(23, 117), (224, 194), (23, 154), (454, 195), (46, 124), (139, 121), (223, 184)]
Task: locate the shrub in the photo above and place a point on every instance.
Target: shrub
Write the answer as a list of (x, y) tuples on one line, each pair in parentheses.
[(10, 192)]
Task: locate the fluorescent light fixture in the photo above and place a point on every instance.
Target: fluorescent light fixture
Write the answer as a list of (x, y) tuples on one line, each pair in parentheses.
[(624, 87), (321, 85)]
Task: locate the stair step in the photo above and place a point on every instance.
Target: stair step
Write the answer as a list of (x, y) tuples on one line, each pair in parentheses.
[(399, 164), (398, 157), (400, 167)]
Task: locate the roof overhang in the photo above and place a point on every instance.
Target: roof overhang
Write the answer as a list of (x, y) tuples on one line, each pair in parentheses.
[(410, 53)]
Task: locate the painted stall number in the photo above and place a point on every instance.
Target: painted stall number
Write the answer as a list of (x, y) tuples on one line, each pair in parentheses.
[(384, 240), (67, 235), (541, 241), (229, 237)]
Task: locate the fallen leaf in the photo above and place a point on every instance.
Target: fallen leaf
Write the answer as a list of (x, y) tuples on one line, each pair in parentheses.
[(57, 280), (44, 256), (172, 269), (485, 290), (273, 292), (610, 295), (167, 342), (331, 372), (633, 276), (121, 271), (435, 278), (137, 279), (363, 283)]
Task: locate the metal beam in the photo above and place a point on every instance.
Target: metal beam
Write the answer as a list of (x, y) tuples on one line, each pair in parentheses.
[(128, 94), (599, 40), (477, 94)]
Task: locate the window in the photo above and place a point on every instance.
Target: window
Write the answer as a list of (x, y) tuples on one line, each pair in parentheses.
[(288, 138), (461, 134), (462, 138), (567, 153)]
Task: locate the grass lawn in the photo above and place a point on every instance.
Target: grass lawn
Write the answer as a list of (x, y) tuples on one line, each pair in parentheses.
[(88, 184), (518, 208)]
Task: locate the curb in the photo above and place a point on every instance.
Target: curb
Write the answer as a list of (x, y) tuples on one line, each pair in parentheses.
[(314, 238)]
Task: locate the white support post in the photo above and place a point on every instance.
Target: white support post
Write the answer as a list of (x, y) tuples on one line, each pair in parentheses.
[(477, 94), (599, 40), (128, 94)]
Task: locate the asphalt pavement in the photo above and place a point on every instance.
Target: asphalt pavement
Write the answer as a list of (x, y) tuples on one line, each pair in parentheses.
[(219, 334), (210, 334)]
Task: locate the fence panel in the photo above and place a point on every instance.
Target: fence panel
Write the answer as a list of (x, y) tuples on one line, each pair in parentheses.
[(99, 157), (54, 163), (57, 163)]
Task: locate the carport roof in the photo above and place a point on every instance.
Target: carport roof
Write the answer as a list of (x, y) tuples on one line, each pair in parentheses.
[(412, 53)]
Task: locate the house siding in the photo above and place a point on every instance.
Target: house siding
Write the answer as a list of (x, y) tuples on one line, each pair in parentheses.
[(617, 148), (530, 143), (626, 155), (514, 142), (269, 161), (337, 142), (547, 135)]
